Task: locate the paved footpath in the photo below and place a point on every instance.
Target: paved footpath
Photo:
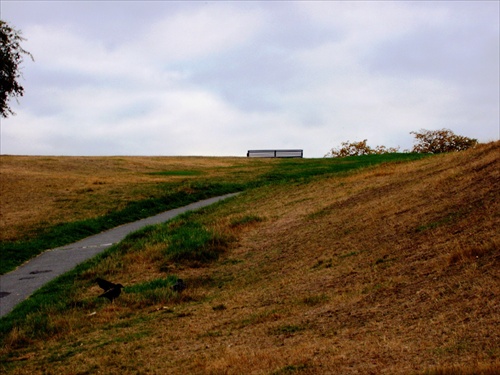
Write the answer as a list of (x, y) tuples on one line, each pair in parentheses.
[(19, 284)]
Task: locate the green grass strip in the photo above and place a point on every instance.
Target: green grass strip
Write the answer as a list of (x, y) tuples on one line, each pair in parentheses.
[(14, 254)]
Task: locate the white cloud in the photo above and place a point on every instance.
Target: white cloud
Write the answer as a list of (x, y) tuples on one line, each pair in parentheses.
[(364, 23), (195, 34)]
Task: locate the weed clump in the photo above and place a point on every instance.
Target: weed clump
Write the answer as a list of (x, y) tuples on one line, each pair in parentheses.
[(191, 242), (151, 292)]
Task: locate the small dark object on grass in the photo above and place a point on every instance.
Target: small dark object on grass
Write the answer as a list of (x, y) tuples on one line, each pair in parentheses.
[(219, 307), (111, 290), (179, 286)]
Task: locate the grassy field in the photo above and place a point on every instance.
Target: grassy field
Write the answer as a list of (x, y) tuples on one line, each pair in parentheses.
[(52, 201), (392, 269)]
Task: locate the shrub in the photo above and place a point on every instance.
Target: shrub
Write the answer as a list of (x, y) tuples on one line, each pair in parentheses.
[(357, 149), (439, 141), (428, 142)]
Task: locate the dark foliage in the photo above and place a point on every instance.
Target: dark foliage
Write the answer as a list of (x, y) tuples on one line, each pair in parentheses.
[(11, 57)]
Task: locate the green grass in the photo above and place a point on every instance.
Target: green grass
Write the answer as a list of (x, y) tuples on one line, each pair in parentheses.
[(185, 240), (14, 254), (151, 285), (303, 170), (191, 242), (152, 292), (33, 314)]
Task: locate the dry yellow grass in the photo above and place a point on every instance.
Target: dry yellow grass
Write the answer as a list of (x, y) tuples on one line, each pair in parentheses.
[(38, 192), (392, 270)]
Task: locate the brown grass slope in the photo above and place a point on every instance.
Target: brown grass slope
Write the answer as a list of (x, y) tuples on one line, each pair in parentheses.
[(392, 270)]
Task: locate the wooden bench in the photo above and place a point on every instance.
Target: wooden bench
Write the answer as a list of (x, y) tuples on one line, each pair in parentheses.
[(275, 153)]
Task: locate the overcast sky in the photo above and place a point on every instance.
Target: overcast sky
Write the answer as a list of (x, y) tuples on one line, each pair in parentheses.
[(218, 78)]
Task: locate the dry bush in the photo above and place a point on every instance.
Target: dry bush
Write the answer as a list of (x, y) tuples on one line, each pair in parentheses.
[(350, 149), (440, 141), (428, 142), (359, 148)]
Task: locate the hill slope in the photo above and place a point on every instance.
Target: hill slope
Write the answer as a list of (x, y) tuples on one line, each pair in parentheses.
[(392, 270)]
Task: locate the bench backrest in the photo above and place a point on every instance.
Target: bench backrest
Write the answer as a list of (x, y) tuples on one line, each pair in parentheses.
[(275, 153)]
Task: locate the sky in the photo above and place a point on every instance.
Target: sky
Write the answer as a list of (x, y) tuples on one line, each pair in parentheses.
[(217, 78)]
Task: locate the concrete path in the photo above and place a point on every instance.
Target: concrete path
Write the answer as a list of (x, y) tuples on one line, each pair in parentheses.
[(19, 284)]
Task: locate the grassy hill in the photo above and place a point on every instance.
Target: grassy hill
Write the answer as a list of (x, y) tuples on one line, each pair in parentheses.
[(393, 269), (48, 202)]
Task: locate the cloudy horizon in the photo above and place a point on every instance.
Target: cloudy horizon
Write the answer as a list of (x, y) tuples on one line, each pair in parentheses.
[(218, 78)]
